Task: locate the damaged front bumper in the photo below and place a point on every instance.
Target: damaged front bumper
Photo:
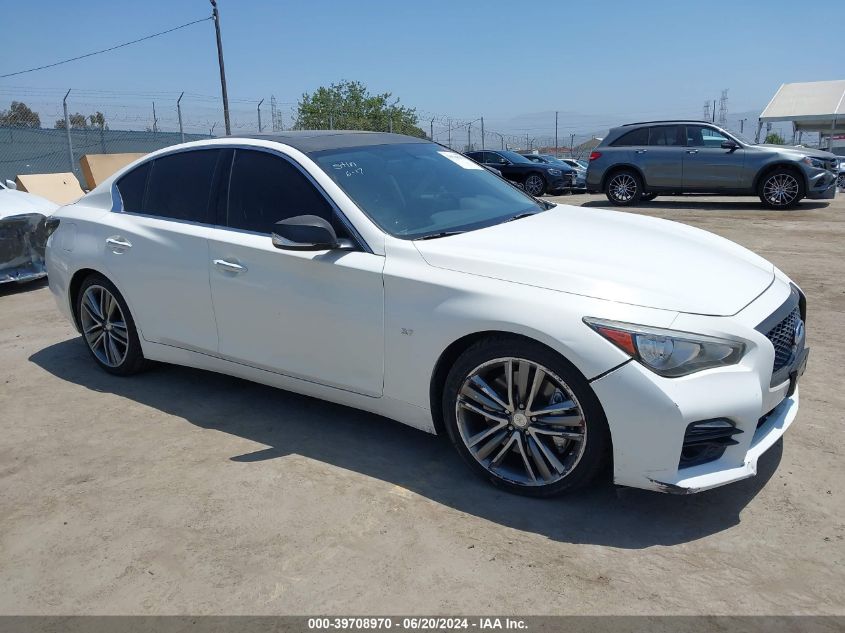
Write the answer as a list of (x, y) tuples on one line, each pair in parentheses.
[(22, 242)]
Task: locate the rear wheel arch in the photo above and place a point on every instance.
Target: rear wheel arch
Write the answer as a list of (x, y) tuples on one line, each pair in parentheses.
[(622, 167)]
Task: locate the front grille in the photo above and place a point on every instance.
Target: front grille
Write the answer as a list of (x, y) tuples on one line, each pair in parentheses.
[(782, 337)]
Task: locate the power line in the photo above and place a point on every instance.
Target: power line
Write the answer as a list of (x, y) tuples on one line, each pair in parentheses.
[(105, 50)]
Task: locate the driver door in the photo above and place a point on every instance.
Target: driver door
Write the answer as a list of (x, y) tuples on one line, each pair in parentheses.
[(314, 315)]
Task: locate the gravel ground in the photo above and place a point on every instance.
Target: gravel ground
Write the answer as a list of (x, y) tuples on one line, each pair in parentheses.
[(180, 491)]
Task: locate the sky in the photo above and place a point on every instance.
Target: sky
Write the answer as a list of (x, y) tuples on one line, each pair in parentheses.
[(599, 63)]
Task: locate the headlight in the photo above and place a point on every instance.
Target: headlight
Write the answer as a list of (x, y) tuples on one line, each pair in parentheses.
[(555, 172), (669, 353), (813, 162)]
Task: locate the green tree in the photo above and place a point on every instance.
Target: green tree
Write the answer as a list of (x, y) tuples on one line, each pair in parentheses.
[(79, 121), (774, 138), (348, 105), (19, 115)]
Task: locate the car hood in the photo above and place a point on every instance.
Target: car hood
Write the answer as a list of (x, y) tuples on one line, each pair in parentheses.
[(801, 151), (13, 202), (611, 255)]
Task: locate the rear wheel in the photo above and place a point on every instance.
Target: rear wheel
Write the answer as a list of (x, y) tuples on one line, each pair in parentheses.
[(523, 418), (108, 329), (535, 185), (624, 188), (781, 189)]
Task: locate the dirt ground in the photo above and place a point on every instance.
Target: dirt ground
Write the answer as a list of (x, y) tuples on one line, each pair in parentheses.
[(185, 492)]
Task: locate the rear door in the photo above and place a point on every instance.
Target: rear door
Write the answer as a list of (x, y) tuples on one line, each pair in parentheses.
[(662, 160), (156, 249), (314, 315), (707, 165)]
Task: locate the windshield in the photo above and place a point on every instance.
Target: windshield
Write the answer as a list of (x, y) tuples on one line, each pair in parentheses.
[(414, 190)]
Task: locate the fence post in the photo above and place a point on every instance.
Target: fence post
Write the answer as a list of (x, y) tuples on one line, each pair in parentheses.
[(331, 119), (391, 123), (259, 115), (449, 142), (482, 133), (179, 114), (67, 130), (469, 137), (431, 130)]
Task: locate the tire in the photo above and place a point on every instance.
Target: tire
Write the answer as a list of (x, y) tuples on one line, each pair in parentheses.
[(781, 188), (648, 197), (624, 188), (108, 330), (537, 455), (534, 184)]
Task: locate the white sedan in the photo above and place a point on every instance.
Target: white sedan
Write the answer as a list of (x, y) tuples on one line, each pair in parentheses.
[(391, 274), (23, 234)]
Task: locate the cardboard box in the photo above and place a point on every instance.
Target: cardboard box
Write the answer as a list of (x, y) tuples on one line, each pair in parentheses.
[(60, 188)]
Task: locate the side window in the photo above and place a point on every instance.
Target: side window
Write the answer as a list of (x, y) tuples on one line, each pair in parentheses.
[(476, 156), (180, 185), (265, 189), (634, 137), (492, 158), (700, 136), (132, 187), (666, 135)]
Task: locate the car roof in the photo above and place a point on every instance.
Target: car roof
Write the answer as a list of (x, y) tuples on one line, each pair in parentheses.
[(695, 121), (309, 141)]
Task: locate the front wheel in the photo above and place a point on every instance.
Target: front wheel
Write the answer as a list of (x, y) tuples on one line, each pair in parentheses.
[(624, 188), (534, 185), (524, 418), (781, 189)]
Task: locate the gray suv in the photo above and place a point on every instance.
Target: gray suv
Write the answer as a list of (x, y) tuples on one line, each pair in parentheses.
[(639, 161)]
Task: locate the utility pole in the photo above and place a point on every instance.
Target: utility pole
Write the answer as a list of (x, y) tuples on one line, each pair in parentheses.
[(155, 120), (482, 133), (67, 131), (179, 114), (215, 14), (259, 115), (556, 152)]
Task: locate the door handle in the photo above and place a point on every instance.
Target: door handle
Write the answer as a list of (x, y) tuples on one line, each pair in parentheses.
[(640, 151), (230, 267), (692, 151), (118, 244)]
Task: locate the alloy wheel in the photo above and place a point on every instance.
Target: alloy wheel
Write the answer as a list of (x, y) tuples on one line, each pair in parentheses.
[(534, 185), (623, 187), (104, 326), (781, 189), (840, 181), (521, 422)]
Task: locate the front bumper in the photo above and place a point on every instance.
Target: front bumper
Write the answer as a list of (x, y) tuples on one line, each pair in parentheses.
[(648, 415)]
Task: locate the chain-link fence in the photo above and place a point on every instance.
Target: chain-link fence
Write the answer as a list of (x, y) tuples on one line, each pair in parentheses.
[(105, 122)]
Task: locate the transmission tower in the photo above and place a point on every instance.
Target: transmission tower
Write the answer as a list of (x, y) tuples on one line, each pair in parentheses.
[(723, 109), (275, 115), (707, 110)]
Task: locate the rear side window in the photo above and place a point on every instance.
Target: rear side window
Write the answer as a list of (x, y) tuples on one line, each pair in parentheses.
[(132, 187), (634, 137), (180, 185), (265, 189), (666, 135)]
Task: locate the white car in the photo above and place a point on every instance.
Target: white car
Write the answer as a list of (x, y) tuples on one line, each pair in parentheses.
[(23, 234), (391, 274)]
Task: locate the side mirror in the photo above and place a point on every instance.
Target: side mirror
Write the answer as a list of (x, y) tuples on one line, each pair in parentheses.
[(304, 233), (731, 145)]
